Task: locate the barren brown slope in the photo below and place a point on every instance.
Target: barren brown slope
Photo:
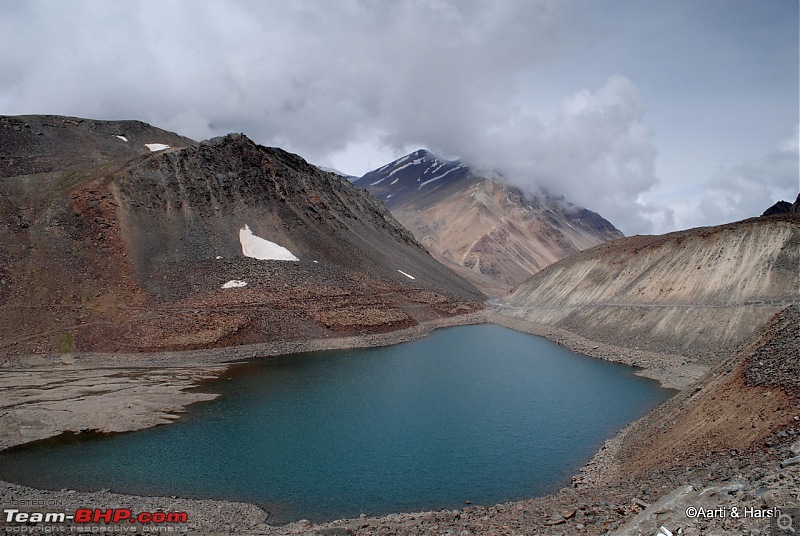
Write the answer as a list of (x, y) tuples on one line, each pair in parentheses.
[(494, 236), (697, 293), (132, 256), (738, 405)]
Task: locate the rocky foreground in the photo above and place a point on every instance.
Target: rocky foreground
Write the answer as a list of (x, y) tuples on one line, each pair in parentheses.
[(730, 440)]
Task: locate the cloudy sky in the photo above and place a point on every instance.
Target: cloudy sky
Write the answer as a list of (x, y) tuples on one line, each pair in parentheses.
[(658, 114)]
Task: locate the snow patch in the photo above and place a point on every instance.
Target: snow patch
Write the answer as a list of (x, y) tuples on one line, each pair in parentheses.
[(377, 182), (412, 163), (394, 181), (315, 262), (156, 147), (405, 274), (434, 167), (440, 176), (123, 138), (258, 248), (235, 283), (218, 257), (388, 196)]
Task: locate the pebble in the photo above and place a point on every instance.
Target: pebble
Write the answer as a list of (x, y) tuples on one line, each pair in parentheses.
[(790, 462)]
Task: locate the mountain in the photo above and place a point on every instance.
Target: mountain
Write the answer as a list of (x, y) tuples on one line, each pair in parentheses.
[(698, 293), (783, 207), (107, 244), (491, 233), (38, 144)]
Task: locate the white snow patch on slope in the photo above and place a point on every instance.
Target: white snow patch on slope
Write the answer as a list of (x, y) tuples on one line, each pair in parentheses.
[(440, 176), (394, 181), (412, 163), (377, 182), (405, 274), (156, 146), (235, 283), (436, 166), (258, 248), (123, 138)]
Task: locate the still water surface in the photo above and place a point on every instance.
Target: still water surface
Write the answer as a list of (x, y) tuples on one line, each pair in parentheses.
[(472, 413)]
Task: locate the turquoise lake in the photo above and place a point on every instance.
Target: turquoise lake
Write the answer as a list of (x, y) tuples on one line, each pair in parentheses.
[(473, 413)]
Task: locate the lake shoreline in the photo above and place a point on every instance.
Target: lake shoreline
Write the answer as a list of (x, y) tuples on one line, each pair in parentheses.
[(193, 368)]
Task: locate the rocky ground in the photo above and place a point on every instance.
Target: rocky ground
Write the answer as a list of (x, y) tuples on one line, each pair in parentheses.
[(730, 440)]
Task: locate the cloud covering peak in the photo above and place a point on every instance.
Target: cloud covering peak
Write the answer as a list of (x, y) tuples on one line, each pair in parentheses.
[(560, 94)]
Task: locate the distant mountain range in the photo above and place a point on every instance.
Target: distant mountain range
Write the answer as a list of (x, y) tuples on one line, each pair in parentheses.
[(490, 232), (119, 236)]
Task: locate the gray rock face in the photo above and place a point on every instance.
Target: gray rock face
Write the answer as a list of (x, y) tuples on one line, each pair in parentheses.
[(664, 512)]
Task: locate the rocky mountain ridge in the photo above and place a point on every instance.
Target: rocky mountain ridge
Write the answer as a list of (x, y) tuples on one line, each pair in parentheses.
[(488, 231), (113, 250), (36, 144), (784, 207)]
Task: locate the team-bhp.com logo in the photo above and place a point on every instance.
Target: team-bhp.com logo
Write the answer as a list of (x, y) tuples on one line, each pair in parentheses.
[(95, 515)]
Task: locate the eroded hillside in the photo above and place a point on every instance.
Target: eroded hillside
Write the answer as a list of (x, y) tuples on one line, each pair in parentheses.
[(697, 293)]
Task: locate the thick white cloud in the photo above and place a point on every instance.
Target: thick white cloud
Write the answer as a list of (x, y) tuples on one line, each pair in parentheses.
[(597, 152), (359, 80), (310, 75)]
